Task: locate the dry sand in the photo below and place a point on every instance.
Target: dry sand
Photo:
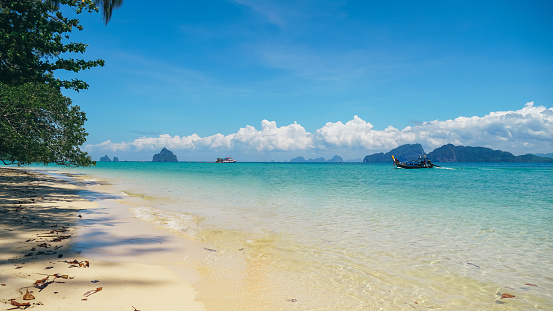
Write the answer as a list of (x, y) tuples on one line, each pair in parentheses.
[(40, 216)]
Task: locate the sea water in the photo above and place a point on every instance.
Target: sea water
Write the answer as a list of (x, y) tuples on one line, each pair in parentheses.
[(355, 236)]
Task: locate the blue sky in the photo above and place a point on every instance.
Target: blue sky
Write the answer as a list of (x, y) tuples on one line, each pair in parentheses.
[(272, 80)]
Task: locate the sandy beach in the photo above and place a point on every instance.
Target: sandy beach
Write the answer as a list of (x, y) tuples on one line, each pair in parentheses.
[(147, 236), (41, 264)]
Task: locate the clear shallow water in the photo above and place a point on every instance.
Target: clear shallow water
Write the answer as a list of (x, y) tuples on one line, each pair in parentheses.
[(355, 236)]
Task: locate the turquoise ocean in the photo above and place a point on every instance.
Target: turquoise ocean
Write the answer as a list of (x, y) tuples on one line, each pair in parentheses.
[(356, 236)]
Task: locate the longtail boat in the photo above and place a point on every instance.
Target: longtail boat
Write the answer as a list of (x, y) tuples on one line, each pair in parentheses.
[(419, 163)]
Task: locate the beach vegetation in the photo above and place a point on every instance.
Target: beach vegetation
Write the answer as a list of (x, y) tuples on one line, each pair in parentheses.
[(34, 43), (106, 6), (38, 124)]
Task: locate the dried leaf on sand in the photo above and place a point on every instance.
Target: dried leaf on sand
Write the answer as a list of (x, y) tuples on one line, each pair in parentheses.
[(28, 296), (80, 264), (41, 284), (91, 292), (42, 280), (19, 304)]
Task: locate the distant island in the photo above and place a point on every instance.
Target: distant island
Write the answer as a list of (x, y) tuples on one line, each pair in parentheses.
[(164, 156), (451, 153), (301, 159), (107, 159)]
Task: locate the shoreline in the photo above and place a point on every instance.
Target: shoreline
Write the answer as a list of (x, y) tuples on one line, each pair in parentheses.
[(216, 276), (65, 251), (152, 218)]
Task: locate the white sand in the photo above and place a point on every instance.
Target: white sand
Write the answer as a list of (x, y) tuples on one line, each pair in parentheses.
[(137, 266)]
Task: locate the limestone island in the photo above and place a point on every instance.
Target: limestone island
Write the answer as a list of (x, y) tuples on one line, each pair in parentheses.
[(165, 156), (451, 153)]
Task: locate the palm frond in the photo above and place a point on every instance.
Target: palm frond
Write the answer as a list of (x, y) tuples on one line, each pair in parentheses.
[(107, 7)]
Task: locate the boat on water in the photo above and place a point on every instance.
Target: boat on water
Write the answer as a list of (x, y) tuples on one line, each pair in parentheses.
[(419, 163), (225, 160)]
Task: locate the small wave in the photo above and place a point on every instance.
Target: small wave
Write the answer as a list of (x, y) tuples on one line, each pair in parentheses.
[(179, 222), (137, 195)]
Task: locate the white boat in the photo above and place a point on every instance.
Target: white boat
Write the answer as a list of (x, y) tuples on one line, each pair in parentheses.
[(225, 160)]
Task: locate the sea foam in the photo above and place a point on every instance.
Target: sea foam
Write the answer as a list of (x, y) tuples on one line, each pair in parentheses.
[(175, 221)]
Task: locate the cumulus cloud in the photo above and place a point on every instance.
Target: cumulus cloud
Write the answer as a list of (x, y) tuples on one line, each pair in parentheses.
[(529, 129), (358, 134), (271, 137)]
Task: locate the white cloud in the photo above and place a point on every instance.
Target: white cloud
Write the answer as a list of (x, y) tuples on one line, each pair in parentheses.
[(359, 134), (271, 137), (529, 129)]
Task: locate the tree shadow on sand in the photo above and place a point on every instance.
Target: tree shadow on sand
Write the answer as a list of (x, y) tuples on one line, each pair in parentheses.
[(30, 204)]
